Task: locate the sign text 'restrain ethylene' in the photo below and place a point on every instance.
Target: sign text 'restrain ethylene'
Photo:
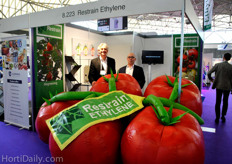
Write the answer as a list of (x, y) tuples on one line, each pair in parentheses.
[(101, 9), (72, 121), (105, 109)]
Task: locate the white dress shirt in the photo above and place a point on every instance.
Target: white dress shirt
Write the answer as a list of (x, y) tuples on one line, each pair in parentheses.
[(129, 70), (103, 66)]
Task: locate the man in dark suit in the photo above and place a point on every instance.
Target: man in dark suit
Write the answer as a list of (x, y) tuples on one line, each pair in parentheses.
[(133, 70), (223, 84), (101, 65)]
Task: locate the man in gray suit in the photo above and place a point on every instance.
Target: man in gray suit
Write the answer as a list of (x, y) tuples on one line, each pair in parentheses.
[(223, 85)]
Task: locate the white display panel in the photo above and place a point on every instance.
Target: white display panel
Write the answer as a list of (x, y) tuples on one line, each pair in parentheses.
[(15, 81)]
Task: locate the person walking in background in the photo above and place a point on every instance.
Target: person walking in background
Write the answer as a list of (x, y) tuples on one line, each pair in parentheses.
[(133, 70), (101, 65), (223, 84)]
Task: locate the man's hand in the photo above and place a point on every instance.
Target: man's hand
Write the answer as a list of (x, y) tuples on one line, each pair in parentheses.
[(93, 83)]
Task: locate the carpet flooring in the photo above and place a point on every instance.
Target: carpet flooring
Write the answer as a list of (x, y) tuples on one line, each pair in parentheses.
[(23, 146)]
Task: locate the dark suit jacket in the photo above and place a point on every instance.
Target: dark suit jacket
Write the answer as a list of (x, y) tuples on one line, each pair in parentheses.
[(223, 76), (138, 74), (94, 70)]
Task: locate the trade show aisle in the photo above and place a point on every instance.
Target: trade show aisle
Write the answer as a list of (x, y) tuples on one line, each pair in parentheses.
[(218, 145), (21, 146), (18, 145)]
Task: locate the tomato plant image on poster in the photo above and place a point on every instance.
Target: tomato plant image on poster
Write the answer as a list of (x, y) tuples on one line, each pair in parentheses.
[(190, 63), (49, 60)]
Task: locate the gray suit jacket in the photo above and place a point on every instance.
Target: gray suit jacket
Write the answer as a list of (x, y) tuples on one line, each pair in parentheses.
[(223, 76)]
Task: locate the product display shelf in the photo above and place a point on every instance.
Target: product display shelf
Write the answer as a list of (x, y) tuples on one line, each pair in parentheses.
[(72, 67)]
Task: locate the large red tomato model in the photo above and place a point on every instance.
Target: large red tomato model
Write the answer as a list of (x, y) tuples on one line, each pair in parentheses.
[(190, 97), (99, 144), (125, 82), (147, 141), (46, 112)]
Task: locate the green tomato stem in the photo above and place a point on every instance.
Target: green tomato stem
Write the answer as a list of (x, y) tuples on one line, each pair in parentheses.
[(112, 81), (72, 95), (168, 103), (174, 94), (163, 114), (112, 84)]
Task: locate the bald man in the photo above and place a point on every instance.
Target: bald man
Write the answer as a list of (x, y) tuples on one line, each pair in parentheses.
[(133, 70)]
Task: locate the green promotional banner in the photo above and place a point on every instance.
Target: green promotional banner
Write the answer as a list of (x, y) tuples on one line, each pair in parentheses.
[(71, 122), (208, 14), (192, 57), (48, 62)]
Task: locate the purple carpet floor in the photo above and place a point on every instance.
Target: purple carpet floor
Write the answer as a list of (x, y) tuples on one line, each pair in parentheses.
[(218, 145), (23, 146)]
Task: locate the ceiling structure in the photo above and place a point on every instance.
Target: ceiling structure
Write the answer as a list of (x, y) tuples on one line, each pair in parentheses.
[(153, 23)]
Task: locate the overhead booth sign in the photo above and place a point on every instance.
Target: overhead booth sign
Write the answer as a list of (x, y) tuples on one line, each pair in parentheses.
[(15, 81), (47, 63)]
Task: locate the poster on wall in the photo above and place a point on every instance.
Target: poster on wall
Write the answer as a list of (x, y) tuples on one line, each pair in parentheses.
[(82, 49), (191, 57), (47, 63), (82, 52), (15, 81)]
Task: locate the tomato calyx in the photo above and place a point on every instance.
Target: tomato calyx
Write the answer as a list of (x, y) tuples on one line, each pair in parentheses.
[(112, 81), (161, 113), (176, 81), (158, 104)]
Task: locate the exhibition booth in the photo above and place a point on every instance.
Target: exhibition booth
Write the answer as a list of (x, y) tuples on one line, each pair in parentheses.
[(54, 57), (81, 44)]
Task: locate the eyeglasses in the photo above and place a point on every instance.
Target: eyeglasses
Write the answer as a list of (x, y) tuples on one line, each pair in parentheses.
[(131, 57)]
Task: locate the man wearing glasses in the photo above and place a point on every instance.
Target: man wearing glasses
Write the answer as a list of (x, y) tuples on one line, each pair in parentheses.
[(133, 70)]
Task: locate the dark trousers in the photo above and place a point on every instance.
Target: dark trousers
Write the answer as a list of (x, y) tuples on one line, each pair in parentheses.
[(219, 94)]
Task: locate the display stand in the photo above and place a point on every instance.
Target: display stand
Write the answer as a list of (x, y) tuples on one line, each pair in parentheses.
[(71, 81)]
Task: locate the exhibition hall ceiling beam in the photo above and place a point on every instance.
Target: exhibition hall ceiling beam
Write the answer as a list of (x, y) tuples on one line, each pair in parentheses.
[(221, 12), (11, 8)]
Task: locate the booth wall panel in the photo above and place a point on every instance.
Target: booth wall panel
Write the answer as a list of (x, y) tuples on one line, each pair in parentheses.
[(163, 44), (119, 47)]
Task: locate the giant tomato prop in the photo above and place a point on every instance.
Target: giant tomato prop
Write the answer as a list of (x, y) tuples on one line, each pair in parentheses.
[(46, 112), (190, 97), (146, 140), (99, 144), (125, 82)]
